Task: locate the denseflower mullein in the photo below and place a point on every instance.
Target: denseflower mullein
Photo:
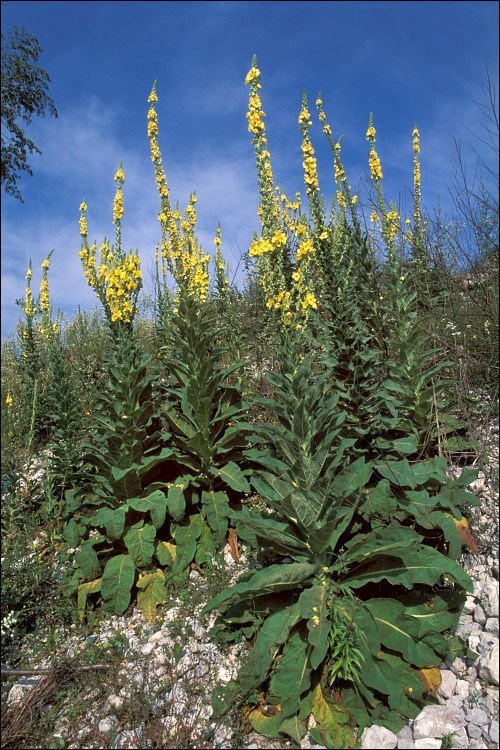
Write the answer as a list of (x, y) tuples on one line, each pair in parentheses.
[(221, 281), (310, 168), (118, 207), (117, 280), (345, 199), (271, 249), (48, 328)]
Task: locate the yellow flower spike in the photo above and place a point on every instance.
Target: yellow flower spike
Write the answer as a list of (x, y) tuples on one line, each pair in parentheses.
[(9, 401)]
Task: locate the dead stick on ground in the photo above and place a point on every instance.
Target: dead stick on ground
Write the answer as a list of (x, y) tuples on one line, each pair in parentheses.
[(7, 672)]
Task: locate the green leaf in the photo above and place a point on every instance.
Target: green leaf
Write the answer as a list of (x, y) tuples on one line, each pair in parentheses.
[(292, 676), (270, 580), (281, 533), (140, 543), (88, 562), (399, 473), (117, 581), (112, 520), (151, 592), (72, 533), (234, 477), (272, 634), (126, 482), (216, 508), (312, 604), (420, 564), (84, 590), (399, 633), (185, 541), (165, 553), (175, 499)]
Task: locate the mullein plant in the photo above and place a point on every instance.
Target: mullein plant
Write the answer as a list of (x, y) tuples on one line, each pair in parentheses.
[(116, 509), (179, 253), (202, 409), (283, 280), (360, 592)]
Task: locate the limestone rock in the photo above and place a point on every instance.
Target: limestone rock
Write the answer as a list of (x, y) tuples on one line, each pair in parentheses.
[(378, 738), (436, 721)]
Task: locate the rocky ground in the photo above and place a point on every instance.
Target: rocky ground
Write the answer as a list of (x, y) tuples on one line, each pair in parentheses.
[(158, 694)]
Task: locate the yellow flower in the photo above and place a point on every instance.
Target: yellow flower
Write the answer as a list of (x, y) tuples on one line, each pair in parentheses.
[(279, 239), (252, 75), (416, 140), (375, 166), (9, 401), (370, 133), (120, 175), (309, 301), (305, 117)]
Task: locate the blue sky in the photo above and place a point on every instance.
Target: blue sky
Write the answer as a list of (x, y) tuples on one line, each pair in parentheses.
[(407, 62)]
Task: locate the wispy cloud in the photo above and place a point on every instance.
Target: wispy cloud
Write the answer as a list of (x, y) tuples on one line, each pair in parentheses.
[(80, 157)]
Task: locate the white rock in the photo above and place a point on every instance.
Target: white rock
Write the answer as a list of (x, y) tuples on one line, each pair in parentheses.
[(448, 683), (493, 734), (489, 598), (405, 739), (491, 625), (436, 721), (470, 605), (462, 688), (460, 740), (108, 724), (428, 743), (115, 701), (148, 648), (474, 732), (479, 615), (155, 637), (18, 691), (378, 738), (488, 666)]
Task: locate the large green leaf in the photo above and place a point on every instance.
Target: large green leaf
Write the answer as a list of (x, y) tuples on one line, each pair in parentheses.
[(185, 540), (87, 560), (272, 531), (273, 633), (117, 581), (140, 541), (400, 633), (292, 676), (270, 580), (399, 473), (234, 477), (175, 499), (126, 482), (420, 564), (151, 592), (216, 508), (112, 520), (312, 604)]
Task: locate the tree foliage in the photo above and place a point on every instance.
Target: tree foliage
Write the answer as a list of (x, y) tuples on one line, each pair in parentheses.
[(24, 94)]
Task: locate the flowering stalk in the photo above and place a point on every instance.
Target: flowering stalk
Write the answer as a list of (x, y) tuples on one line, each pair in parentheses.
[(180, 251), (271, 249), (345, 198), (48, 328), (117, 279), (309, 165)]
